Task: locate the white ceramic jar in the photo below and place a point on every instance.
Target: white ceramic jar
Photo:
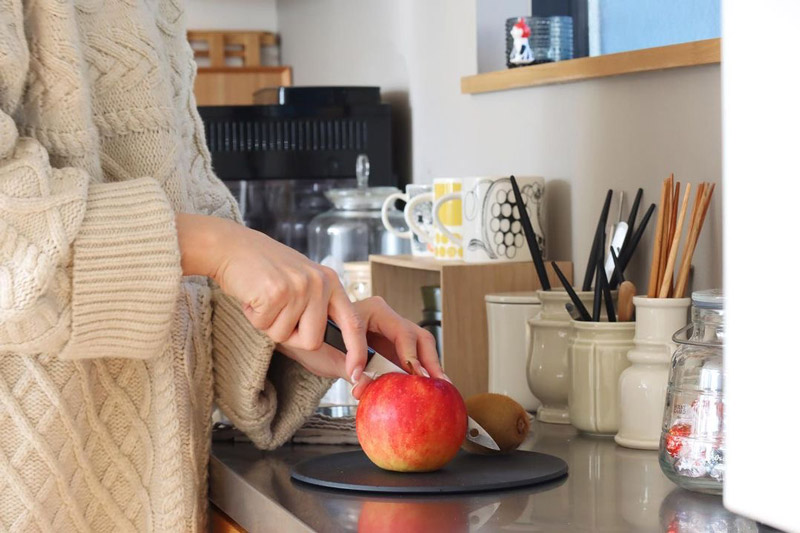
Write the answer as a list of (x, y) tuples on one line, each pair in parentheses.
[(507, 316), (643, 386), (547, 342), (597, 357)]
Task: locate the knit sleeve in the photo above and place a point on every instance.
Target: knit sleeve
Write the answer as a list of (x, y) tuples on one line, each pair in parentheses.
[(86, 270), (265, 394)]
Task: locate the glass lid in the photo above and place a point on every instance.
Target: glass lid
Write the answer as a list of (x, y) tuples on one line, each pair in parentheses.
[(362, 197)]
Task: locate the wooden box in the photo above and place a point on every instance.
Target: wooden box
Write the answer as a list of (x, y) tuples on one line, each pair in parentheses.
[(465, 345)]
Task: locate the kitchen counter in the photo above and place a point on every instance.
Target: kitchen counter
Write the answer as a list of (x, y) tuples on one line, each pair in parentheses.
[(609, 488)]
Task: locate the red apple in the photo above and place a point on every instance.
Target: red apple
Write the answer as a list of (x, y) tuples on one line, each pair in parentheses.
[(411, 423)]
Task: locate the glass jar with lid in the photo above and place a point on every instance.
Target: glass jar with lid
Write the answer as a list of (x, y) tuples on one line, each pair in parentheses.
[(353, 229), (692, 446)]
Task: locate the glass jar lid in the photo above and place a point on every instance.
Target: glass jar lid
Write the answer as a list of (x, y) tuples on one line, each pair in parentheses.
[(708, 299)]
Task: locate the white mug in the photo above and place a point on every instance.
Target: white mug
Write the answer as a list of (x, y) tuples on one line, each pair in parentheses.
[(491, 228), (420, 212), (450, 216)]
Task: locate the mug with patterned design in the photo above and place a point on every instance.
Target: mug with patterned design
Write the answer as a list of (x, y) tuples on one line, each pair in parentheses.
[(491, 226), (450, 216)]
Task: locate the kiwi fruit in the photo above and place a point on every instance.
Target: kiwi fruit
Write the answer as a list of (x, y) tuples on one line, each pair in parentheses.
[(503, 418)]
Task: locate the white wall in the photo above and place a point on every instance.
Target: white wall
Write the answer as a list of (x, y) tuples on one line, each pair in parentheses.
[(584, 137), (232, 15), (491, 31)]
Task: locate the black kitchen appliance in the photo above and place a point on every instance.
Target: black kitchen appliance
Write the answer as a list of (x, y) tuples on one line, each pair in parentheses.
[(278, 160)]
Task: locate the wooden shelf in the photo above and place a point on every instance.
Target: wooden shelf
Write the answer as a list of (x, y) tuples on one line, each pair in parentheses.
[(663, 57), (465, 342)]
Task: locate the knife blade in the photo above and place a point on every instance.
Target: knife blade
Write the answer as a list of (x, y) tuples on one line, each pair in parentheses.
[(377, 365)]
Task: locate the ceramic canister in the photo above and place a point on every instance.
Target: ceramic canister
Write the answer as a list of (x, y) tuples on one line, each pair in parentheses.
[(507, 315), (598, 354), (547, 341), (643, 386)]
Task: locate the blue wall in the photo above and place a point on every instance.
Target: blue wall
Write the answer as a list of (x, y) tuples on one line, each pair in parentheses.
[(633, 24)]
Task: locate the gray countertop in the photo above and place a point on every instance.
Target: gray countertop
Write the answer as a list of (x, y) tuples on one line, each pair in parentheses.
[(609, 488)]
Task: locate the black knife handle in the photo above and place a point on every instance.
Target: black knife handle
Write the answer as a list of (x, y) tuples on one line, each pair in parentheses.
[(333, 337)]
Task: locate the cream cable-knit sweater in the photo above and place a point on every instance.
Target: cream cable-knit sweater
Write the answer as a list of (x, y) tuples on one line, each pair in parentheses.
[(109, 360)]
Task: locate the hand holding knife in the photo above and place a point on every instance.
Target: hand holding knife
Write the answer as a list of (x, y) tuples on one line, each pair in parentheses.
[(378, 365)]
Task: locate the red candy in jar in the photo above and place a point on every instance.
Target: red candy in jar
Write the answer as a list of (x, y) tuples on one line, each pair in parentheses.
[(675, 438)]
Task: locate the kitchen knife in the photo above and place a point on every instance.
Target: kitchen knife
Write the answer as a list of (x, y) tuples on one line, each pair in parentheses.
[(377, 365)]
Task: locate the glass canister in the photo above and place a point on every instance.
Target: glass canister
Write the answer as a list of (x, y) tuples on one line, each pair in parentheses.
[(692, 446), (353, 230)]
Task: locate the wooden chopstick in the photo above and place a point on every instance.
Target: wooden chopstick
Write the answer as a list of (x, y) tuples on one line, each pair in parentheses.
[(652, 288), (675, 195), (674, 216), (693, 220), (665, 234), (673, 249), (704, 201)]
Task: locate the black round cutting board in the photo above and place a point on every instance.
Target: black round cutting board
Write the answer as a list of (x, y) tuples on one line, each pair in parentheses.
[(466, 473)]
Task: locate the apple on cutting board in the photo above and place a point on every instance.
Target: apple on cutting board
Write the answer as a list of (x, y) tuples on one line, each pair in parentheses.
[(411, 423), (408, 423)]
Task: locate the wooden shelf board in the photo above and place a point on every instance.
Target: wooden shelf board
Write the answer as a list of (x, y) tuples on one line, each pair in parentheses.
[(663, 57)]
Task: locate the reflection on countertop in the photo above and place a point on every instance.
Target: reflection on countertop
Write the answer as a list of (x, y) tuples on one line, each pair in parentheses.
[(609, 488)]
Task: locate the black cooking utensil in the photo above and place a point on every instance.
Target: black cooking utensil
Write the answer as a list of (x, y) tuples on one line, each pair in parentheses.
[(582, 311), (530, 236), (626, 256), (596, 248), (612, 316), (573, 313), (616, 277), (632, 220), (597, 287)]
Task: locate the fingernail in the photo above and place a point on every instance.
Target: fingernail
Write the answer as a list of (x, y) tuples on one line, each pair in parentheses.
[(355, 376), (420, 370), (447, 378)]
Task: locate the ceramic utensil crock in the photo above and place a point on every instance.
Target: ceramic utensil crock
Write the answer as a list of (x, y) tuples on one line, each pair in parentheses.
[(643, 385), (547, 341), (598, 354)]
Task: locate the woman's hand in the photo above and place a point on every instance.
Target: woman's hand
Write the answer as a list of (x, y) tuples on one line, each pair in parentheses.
[(282, 292), (399, 340)]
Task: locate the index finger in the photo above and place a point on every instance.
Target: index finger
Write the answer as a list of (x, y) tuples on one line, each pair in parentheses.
[(354, 332), (410, 343)]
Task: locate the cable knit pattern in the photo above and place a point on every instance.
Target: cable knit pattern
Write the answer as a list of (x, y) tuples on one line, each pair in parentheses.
[(110, 361)]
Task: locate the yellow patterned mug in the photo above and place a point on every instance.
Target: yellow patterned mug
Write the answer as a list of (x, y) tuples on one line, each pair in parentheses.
[(450, 216)]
